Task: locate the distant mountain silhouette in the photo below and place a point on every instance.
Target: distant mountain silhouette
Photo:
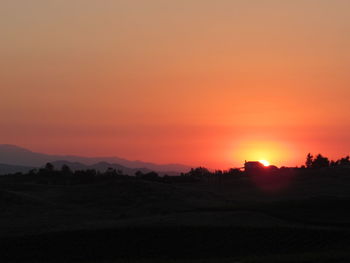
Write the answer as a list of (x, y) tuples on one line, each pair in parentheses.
[(8, 169), (18, 156)]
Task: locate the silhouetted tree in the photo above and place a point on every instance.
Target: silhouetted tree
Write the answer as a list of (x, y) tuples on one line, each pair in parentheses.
[(218, 173), (309, 160), (65, 170), (111, 172), (320, 162), (344, 161), (234, 171), (147, 176), (47, 170), (150, 176), (334, 163), (32, 172), (139, 174), (49, 167), (199, 172), (86, 173)]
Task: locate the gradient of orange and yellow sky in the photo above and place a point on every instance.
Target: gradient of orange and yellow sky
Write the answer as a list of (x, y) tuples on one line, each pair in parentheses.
[(191, 81)]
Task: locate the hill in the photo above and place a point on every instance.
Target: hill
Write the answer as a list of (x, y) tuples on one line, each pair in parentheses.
[(126, 219), (14, 155), (7, 169)]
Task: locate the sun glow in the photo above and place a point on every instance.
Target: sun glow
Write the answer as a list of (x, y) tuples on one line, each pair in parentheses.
[(254, 148), (264, 162)]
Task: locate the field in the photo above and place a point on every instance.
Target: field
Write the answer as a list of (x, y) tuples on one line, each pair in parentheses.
[(301, 218)]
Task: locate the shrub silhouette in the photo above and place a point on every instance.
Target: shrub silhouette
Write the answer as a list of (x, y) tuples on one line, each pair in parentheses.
[(152, 176), (65, 170), (320, 161)]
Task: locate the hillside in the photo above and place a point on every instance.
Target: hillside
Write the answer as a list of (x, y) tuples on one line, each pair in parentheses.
[(6, 168), (17, 156), (134, 219)]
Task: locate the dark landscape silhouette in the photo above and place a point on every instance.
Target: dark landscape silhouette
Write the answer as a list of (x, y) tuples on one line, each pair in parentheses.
[(18, 156), (183, 131), (69, 212)]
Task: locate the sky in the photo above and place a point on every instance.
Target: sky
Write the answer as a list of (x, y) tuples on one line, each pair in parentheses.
[(197, 82)]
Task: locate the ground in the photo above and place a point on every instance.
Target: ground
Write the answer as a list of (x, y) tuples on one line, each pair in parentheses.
[(241, 219)]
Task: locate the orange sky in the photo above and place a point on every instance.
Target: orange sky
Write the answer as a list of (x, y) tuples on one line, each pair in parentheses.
[(197, 82)]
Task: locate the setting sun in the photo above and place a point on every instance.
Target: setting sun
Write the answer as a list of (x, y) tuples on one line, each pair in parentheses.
[(225, 124), (264, 162)]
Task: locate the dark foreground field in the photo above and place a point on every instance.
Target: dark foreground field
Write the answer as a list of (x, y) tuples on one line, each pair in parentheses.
[(300, 218)]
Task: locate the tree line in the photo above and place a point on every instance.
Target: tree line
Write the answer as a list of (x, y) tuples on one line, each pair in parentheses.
[(320, 161), (66, 176)]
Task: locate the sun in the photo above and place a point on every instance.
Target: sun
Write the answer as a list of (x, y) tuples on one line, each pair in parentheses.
[(264, 162)]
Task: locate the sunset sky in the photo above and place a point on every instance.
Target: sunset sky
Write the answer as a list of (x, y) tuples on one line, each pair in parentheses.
[(196, 82)]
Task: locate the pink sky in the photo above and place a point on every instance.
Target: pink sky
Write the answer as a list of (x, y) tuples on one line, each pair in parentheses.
[(197, 82)]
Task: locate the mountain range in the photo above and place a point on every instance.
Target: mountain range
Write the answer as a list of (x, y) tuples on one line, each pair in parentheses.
[(17, 159)]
